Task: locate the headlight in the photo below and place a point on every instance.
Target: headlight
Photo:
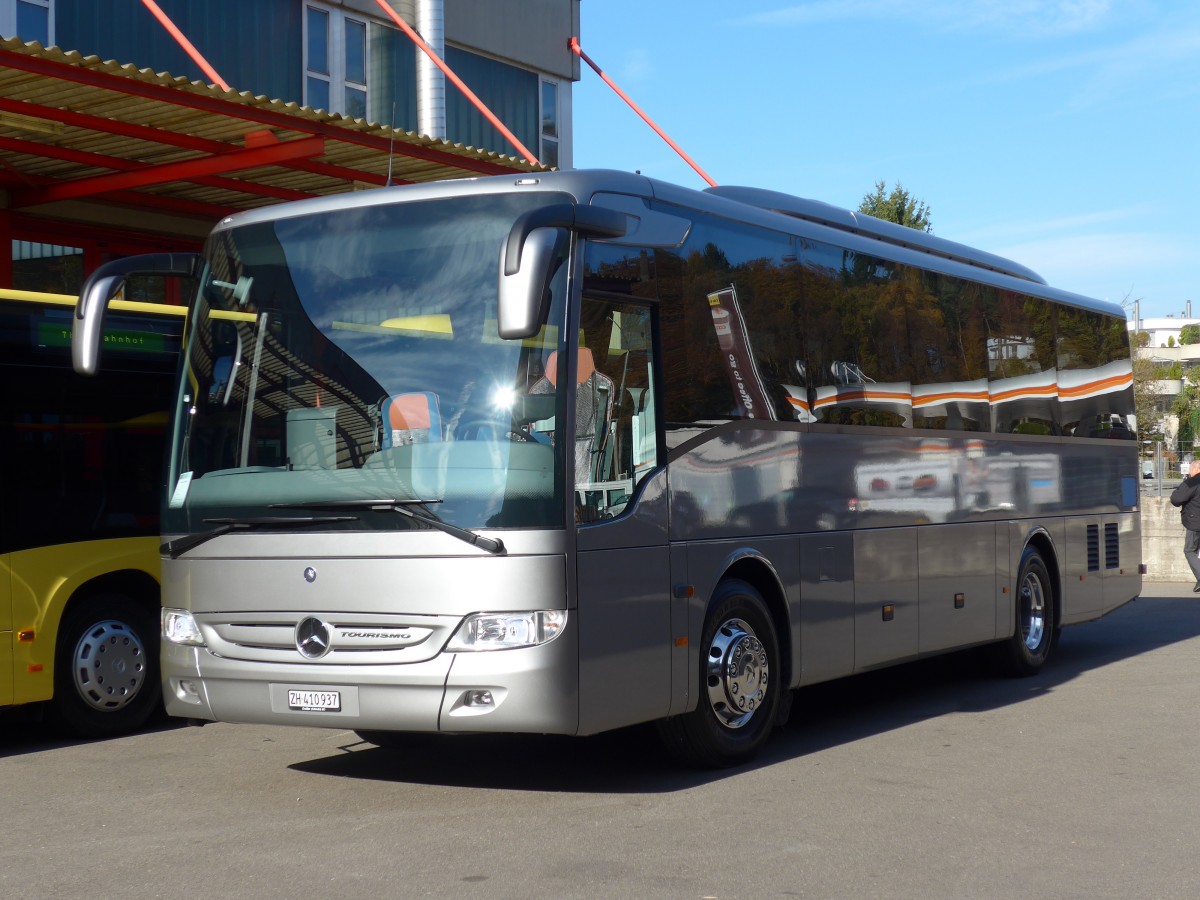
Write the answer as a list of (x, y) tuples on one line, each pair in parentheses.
[(179, 627), (507, 631)]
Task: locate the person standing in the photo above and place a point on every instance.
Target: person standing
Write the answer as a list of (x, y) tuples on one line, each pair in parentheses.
[(1187, 498)]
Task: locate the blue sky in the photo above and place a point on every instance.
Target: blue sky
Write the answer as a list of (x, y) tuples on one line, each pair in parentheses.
[(1059, 133)]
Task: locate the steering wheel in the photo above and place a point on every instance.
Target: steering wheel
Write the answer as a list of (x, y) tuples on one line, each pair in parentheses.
[(492, 430)]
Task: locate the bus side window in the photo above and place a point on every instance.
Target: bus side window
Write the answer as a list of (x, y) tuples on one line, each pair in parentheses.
[(623, 448)]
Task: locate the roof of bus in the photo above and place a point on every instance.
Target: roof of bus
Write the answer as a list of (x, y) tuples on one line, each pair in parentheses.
[(780, 212)]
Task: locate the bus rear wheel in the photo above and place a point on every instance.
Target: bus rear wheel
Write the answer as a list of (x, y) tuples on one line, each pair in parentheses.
[(1036, 626), (740, 684), (106, 667)]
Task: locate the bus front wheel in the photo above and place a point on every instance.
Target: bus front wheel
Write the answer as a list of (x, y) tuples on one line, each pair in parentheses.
[(740, 683), (106, 667), (1036, 631)]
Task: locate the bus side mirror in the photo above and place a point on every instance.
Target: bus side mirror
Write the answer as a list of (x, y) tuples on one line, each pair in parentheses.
[(89, 321), (100, 288), (531, 255), (524, 295)]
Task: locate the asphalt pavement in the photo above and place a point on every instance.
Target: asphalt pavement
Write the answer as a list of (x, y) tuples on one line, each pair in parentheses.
[(930, 780)]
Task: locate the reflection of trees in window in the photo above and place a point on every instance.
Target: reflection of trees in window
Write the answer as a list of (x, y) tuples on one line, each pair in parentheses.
[(858, 361), (1095, 374), (760, 265), (1021, 361), (949, 355), (844, 337)]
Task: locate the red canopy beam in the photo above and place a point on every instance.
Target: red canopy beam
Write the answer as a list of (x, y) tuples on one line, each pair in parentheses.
[(174, 139), (176, 97), (234, 160), (209, 212), (85, 158)]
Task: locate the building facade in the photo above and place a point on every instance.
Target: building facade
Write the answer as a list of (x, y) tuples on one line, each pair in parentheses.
[(1173, 361)]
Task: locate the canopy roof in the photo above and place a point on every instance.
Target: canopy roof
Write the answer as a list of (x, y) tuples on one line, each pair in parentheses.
[(76, 130)]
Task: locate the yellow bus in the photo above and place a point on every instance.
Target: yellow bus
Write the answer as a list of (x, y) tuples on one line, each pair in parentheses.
[(79, 512)]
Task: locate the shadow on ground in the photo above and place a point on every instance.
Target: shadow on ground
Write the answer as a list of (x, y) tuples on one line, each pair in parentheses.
[(823, 716)]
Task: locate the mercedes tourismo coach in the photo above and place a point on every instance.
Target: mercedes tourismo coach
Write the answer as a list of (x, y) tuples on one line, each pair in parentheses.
[(569, 452)]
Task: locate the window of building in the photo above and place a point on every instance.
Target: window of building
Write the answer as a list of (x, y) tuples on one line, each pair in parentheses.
[(550, 118), (30, 20), (335, 61), (50, 268)]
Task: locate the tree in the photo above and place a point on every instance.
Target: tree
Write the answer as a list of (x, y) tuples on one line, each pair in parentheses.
[(1187, 407), (1145, 396), (897, 206), (1189, 334)]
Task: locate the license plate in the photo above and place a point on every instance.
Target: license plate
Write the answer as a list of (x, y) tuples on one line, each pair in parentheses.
[(315, 701)]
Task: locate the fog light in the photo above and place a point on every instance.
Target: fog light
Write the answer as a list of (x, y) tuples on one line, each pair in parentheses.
[(188, 691), (479, 698)]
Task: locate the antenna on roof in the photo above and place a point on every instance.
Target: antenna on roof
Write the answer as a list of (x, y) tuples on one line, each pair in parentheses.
[(391, 145)]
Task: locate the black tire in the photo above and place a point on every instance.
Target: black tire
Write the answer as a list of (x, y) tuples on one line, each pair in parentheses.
[(106, 678), (1036, 631), (740, 684)]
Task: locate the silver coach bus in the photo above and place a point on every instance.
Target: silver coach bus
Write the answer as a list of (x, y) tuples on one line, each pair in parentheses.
[(565, 453)]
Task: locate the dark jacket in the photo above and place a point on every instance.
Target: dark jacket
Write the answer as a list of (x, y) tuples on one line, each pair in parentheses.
[(1187, 496)]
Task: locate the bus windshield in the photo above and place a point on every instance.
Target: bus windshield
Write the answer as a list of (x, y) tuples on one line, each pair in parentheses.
[(352, 355)]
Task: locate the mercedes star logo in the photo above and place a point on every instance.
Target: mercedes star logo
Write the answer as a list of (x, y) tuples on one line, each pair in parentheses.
[(310, 574), (312, 638)]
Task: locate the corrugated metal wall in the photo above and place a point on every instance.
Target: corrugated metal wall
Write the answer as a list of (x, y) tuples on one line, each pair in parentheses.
[(255, 45), (393, 78), (511, 93)]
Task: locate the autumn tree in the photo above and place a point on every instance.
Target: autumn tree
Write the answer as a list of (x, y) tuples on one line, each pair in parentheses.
[(896, 205)]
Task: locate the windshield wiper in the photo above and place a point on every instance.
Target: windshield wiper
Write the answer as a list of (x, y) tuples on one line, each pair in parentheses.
[(491, 545), (178, 547)]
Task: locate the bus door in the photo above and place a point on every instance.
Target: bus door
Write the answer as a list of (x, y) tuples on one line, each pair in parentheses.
[(623, 571)]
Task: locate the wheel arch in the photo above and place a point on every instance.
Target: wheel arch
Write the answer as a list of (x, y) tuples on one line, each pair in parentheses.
[(139, 586), (135, 584)]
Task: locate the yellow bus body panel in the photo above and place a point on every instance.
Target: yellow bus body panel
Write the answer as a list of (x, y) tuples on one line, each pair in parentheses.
[(40, 582)]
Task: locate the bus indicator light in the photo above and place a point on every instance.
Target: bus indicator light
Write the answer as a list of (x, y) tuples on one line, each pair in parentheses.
[(889, 612), (36, 667), (26, 636)]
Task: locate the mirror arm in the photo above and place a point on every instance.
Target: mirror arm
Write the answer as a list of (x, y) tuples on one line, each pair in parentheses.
[(590, 220), (100, 287)]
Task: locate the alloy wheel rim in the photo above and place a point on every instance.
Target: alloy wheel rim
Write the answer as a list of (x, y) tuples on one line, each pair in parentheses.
[(737, 673), (1033, 611)]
